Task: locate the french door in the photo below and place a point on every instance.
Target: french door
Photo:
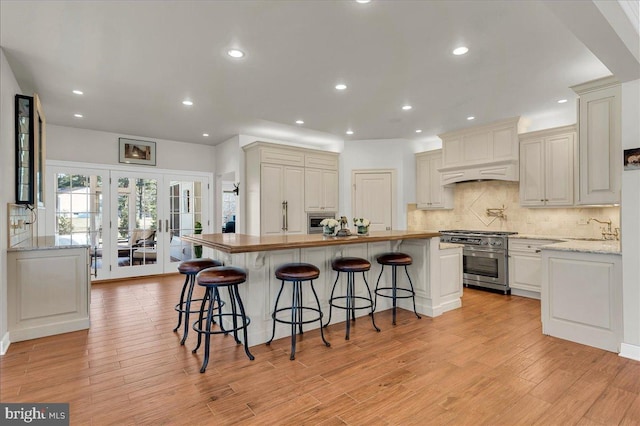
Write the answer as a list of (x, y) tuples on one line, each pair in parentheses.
[(133, 221)]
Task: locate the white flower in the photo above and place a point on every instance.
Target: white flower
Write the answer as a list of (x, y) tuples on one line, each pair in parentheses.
[(361, 221), (331, 223)]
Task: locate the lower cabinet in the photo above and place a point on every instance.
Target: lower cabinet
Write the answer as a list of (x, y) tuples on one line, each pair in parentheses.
[(525, 266), (48, 292), (582, 297)]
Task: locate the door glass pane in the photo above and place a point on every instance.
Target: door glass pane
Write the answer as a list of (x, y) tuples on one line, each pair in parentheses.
[(78, 215), (185, 205), (137, 220)]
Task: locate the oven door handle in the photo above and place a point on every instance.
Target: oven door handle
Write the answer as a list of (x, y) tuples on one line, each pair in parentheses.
[(475, 250)]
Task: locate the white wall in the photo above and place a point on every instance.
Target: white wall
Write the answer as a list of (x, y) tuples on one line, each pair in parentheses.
[(8, 89), (395, 154), (631, 224), (92, 146)]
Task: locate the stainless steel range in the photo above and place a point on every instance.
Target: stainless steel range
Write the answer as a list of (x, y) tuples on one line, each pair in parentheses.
[(485, 255)]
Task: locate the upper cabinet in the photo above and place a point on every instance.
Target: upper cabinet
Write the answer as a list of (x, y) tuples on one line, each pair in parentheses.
[(600, 143), (547, 167), (30, 150), (321, 182), (483, 152), (430, 194)]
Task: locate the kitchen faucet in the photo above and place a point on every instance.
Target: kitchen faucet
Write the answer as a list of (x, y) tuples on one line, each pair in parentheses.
[(607, 234)]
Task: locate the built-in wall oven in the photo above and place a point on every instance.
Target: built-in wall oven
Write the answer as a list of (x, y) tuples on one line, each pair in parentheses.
[(485, 255), (314, 219)]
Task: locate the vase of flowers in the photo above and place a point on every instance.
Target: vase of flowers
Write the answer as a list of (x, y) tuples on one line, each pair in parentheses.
[(329, 226), (362, 225)]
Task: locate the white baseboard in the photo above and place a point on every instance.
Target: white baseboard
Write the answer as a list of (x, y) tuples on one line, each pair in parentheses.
[(4, 343), (630, 351), (36, 332)]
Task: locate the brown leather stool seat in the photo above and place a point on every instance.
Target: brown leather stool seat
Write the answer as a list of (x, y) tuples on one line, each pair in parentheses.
[(297, 273), (350, 302), (212, 279), (190, 268), (394, 292)]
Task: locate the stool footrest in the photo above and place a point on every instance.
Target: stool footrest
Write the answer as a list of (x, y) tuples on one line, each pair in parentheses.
[(405, 293), (303, 309), (368, 305), (179, 307), (199, 327)]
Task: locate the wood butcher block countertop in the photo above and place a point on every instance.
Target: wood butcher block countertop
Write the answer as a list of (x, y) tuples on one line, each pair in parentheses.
[(242, 243)]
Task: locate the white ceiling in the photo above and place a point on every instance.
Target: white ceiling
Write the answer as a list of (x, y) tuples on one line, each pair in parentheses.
[(137, 61)]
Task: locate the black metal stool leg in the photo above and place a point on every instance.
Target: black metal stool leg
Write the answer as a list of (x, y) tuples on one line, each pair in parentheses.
[(375, 301), (313, 290), (350, 302), (373, 321), (245, 321), (413, 293), (275, 310), (232, 301), (331, 298), (184, 287), (207, 337), (294, 318), (199, 320), (187, 307), (394, 291)]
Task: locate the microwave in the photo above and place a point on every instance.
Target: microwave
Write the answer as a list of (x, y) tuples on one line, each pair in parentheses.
[(314, 219)]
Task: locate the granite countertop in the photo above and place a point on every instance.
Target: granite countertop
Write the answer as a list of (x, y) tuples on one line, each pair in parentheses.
[(45, 243), (586, 246), (242, 243)]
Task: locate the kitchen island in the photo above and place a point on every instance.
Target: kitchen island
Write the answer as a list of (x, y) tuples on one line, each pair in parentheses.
[(435, 272)]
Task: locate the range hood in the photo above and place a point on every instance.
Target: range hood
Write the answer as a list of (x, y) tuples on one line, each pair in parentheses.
[(481, 153)]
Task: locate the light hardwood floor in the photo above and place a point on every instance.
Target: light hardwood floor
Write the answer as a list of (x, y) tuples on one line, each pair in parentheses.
[(486, 363)]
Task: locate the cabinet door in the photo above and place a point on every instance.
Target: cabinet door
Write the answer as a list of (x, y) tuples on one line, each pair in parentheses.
[(423, 187), (436, 191), (271, 199), (532, 173), (313, 190), (559, 170), (525, 271), (330, 190), (600, 147), (293, 194)]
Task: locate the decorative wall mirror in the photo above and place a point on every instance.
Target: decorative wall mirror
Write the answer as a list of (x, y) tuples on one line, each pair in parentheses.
[(30, 151)]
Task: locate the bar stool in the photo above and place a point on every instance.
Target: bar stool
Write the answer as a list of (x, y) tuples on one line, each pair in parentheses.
[(351, 265), (190, 268), (394, 260), (297, 273), (212, 279)]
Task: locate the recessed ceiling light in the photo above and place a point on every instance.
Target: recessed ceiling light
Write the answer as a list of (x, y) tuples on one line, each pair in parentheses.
[(78, 115), (363, 1), (349, 132), (562, 101), (78, 92), (235, 53), (460, 50), (419, 131), (471, 117), (341, 86), (206, 135), (299, 122), (187, 103), (406, 107)]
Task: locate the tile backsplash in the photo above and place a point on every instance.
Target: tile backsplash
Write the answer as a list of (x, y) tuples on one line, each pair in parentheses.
[(472, 199), (20, 230)]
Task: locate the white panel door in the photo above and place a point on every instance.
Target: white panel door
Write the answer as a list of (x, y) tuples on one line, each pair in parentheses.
[(373, 198)]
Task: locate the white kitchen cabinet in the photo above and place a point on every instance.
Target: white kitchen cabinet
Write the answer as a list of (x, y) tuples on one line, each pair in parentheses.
[(581, 297), (282, 200), (525, 266), (430, 193), (320, 190), (282, 183), (482, 152), (48, 292), (547, 167), (599, 141)]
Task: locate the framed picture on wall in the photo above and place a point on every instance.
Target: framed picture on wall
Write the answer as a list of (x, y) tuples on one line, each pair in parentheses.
[(632, 159), (133, 151)]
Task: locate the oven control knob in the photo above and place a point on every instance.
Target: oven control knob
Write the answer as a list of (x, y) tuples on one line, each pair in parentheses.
[(483, 243), (496, 243)]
